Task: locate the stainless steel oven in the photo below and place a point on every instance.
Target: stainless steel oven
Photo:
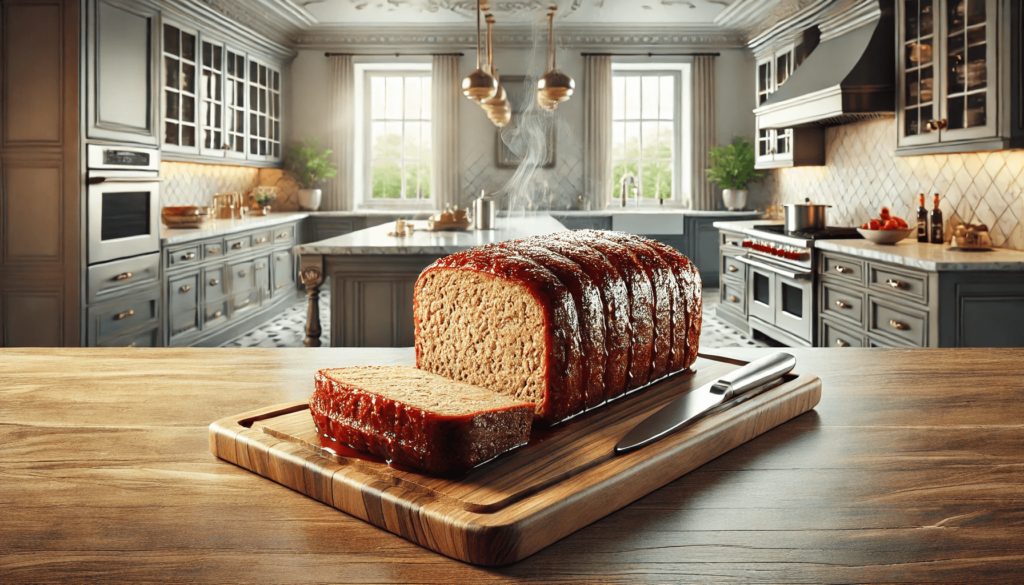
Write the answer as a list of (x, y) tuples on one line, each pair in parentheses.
[(123, 202), (780, 296)]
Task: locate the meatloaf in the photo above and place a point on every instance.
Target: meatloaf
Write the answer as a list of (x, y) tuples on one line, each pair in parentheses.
[(417, 419)]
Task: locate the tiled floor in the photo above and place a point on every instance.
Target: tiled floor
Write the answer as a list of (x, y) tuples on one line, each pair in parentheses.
[(289, 328)]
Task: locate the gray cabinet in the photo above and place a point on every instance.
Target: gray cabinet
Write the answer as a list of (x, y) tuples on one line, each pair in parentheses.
[(733, 275), (122, 50)]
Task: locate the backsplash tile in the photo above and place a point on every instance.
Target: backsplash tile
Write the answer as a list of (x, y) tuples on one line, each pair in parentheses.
[(196, 184), (862, 174)]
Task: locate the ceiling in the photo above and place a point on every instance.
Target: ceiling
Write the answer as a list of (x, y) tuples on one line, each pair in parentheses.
[(576, 12)]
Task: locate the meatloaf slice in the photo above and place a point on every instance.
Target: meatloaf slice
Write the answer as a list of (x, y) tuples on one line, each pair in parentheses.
[(666, 300), (493, 318), (615, 303), (588, 310), (417, 419), (641, 300), (688, 280)]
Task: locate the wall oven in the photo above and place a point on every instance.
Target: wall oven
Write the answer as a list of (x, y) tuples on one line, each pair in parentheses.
[(123, 202)]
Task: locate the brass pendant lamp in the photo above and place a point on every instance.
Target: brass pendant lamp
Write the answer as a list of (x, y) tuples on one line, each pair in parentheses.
[(479, 85), (554, 86), (498, 110)]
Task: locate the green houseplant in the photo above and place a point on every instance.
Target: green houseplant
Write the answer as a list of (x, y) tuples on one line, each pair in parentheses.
[(732, 167), (310, 167)]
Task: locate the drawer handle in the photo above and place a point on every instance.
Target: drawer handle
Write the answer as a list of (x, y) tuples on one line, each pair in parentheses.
[(214, 282), (733, 299), (898, 325), (843, 305), (842, 269), (186, 288), (216, 315), (213, 251), (841, 343), (124, 276), (188, 256), (732, 268), (280, 285), (125, 315), (242, 272), (236, 246), (243, 303), (261, 267), (261, 240), (895, 283), (282, 235)]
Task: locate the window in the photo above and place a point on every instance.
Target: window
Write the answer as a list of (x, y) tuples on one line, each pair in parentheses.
[(648, 107), (397, 137)]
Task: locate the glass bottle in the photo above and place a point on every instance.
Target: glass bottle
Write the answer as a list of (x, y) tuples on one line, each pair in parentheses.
[(935, 219), (922, 221)]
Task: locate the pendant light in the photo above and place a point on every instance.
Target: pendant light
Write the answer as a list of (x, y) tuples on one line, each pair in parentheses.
[(554, 86), (479, 85), (497, 108)]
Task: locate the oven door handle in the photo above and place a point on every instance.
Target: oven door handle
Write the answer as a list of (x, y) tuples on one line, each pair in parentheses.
[(99, 180), (775, 269)]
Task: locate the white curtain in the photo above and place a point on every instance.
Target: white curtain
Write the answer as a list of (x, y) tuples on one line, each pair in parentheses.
[(704, 133), (339, 194), (597, 128), (444, 117)]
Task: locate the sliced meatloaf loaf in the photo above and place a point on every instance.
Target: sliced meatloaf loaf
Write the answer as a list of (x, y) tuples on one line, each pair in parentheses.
[(588, 310), (615, 301), (417, 419), (496, 319), (689, 283), (666, 300)]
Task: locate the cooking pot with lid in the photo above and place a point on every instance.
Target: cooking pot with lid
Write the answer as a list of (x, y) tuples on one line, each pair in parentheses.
[(805, 216)]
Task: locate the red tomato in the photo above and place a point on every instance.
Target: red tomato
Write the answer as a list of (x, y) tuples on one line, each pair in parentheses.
[(899, 221), (884, 214), (874, 224), (865, 227), (890, 225)]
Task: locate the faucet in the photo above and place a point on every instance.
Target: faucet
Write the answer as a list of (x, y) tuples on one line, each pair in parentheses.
[(624, 190)]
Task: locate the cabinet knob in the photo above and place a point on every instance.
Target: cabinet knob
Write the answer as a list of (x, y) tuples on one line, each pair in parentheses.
[(733, 299), (843, 304), (732, 268), (895, 283), (261, 240), (188, 256), (125, 315), (282, 235), (933, 125), (214, 282), (216, 315), (261, 267), (841, 343), (842, 269), (898, 325), (243, 303), (236, 246), (124, 276), (243, 272), (186, 288)]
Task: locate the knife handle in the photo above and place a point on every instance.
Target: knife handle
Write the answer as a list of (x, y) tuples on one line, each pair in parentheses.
[(754, 374)]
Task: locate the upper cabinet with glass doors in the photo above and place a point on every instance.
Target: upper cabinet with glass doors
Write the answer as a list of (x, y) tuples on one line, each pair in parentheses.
[(959, 75), (791, 146)]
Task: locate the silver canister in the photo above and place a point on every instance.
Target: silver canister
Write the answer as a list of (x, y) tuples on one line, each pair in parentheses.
[(485, 213)]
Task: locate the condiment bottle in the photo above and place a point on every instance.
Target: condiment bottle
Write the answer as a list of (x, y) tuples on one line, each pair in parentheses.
[(935, 219), (922, 221)]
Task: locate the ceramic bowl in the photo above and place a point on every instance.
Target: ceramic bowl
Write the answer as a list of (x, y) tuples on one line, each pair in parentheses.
[(885, 237)]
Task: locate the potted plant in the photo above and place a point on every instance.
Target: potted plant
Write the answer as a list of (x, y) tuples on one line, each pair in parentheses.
[(732, 167), (310, 167)]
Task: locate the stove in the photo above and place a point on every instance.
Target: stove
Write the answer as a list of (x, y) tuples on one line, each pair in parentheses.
[(829, 233)]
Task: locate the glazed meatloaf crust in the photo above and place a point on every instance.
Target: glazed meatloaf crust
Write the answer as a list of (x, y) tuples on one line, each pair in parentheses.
[(417, 419), (493, 318), (689, 284)]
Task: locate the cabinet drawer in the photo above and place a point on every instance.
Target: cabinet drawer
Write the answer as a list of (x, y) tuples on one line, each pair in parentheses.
[(899, 283), (183, 293), (106, 280), (732, 267), (261, 270), (215, 314), (213, 282), (843, 303), (842, 268), (243, 277), (284, 269), (238, 245), (732, 239), (834, 335), (261, 239), (147, 338), (213, 250), (244, 302), (284, 235), (899, 322), (183, 256), (733, 295), (120, 316)]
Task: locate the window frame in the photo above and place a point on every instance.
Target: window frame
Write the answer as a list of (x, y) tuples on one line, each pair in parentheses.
[(364, 134), (682, 128)]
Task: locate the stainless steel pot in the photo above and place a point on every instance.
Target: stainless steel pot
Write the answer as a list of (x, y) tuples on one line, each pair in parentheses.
[(805, 216)]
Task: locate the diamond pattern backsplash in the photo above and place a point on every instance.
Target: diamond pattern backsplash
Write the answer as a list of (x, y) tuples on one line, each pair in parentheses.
[(196, 184), (862, 174)]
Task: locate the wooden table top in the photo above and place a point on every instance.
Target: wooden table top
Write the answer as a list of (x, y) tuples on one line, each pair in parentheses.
[(911, 469)]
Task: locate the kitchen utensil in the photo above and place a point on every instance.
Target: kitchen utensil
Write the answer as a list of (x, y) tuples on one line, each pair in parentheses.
[(805, 216), (692, 406), (886, 237), (519, 503), (485, 213)]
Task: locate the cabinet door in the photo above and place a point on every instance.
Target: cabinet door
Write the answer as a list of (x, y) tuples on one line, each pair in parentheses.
[(212, 138), (284, 272), (765, 85), (261, 269), (122, 48), (235, 114), (178, 64), (919, 72), (760, 294), (264, 112), (968, 59)]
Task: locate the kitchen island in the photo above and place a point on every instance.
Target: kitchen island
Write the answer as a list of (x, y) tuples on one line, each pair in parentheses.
[(902, 473), (372, 276)]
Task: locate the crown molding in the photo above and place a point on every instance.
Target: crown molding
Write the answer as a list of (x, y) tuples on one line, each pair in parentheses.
[(448, 37), (763, 23), (278, 20)]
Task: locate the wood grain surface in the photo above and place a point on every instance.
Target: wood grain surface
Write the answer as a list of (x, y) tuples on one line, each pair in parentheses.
[(909, 470), (507, 509)]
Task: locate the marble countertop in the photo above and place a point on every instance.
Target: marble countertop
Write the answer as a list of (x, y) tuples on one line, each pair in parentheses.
[(396, 213), (220, 227), (655, 211), (375, 240), (739, 226)]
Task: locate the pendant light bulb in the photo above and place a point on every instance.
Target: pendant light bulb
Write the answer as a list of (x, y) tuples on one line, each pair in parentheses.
[(479, 85), (554, 86)]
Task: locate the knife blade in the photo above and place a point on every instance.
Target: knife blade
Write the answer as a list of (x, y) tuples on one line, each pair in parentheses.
[(692, 406)]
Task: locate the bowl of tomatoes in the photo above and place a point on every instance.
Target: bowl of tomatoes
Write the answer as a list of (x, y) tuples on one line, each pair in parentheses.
[(886, 230)]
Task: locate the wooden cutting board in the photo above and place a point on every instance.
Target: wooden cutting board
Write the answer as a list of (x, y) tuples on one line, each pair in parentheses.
[(503, 511)]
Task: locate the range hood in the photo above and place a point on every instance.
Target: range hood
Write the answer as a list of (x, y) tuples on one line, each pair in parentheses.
[(845, 79)]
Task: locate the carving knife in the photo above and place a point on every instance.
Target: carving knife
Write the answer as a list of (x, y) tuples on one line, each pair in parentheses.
[(694, 405)]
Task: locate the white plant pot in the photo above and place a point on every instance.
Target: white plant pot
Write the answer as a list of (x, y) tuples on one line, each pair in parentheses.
[(734, 199), (309, 199)]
